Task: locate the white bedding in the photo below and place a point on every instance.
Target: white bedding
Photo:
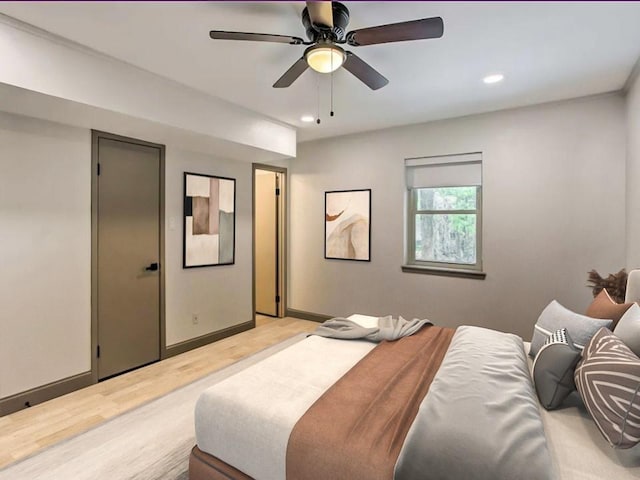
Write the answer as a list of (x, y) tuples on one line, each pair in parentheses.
[(246, 419), (579, 450)]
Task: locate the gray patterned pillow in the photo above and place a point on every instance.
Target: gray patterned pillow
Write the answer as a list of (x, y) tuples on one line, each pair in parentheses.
[(555, 316), (553, 369), (608, 379)]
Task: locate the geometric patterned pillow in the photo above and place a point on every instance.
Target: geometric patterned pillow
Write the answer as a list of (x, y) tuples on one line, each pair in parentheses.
[(608, 379), (559, 336), (553, 369)]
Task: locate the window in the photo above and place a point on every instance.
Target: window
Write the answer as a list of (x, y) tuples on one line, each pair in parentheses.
[(444, 212)]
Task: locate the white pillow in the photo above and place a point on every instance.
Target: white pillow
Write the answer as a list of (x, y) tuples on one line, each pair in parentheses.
[(633, 287), (365, 321), (628, 329), (555, 316)]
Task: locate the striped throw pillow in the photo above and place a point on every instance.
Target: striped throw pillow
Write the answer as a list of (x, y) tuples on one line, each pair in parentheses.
[(608, 379)]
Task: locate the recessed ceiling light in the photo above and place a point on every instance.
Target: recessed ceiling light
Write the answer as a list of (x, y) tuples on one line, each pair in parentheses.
[(498, 77), (307, 118)]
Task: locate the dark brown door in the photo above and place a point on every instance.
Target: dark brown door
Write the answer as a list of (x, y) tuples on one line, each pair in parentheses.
[(128, 259)]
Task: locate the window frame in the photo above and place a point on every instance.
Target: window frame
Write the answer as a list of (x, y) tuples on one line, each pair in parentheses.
[(412, 212)]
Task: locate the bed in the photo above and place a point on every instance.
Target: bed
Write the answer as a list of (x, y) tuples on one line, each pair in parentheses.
[(322, 409)]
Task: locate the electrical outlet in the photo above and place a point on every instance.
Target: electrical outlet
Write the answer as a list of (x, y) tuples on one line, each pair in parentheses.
[(195, 319)]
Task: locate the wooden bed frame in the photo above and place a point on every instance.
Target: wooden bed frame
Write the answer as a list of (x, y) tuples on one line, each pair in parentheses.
[(203, 466)]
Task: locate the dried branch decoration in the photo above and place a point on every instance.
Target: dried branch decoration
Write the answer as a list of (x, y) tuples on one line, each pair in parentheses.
[(616, 284)]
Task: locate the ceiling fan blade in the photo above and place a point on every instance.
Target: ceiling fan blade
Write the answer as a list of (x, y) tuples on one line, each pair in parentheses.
[(256, 37), (397, 32), (292, 74), (321, 14), (364, 72)]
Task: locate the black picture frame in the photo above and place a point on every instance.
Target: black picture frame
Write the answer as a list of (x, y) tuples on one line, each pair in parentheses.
[(345, 239), (208, 238)]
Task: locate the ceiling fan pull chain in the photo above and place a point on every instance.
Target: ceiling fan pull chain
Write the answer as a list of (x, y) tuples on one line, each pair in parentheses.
[(318, 117), (331, 113)]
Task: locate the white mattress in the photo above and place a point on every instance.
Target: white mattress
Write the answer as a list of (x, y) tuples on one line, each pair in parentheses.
[(579, 449)]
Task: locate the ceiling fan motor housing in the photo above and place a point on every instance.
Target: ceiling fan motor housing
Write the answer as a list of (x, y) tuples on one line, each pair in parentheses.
[(340, 22)]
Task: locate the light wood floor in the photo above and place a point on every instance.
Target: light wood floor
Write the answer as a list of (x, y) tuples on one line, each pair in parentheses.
[(264, 320), (27, 431)]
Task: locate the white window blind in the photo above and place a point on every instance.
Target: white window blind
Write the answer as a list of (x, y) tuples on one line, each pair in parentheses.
[(444, 171)]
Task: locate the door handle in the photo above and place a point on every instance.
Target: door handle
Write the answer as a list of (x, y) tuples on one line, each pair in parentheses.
[(152, 267)]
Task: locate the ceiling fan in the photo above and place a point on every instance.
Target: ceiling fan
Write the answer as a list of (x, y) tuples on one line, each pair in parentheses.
[(325, 24)]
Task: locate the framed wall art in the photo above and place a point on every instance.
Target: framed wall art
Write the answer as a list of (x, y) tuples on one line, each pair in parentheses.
[(347, 225), (209, 220)]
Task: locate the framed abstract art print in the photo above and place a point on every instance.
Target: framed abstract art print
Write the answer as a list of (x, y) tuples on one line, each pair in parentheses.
[(347, 225), (209, 220)]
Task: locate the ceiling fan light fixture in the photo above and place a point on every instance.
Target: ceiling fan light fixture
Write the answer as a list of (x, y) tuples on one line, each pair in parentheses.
[(325, 58)]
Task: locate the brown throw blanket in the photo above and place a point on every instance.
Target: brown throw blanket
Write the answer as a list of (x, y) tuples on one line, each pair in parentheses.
[(356, 429)]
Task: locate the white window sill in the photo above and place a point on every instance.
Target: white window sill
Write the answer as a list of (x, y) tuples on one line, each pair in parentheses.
[(445, 272)]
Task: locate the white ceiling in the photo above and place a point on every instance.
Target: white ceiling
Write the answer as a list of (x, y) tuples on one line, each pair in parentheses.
[(547, 51)]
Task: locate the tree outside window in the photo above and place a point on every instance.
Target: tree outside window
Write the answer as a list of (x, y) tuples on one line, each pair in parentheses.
[(446, 225)]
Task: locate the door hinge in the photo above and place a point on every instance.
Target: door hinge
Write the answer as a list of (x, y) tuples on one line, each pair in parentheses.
[(277, 298), (277, 191), (98, 169), (98, 351)]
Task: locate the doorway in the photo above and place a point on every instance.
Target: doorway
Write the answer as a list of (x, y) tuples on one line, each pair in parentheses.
[(128, 246), (269, 235)]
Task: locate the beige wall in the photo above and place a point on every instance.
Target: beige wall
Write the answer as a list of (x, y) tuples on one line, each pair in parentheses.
[(553, 195), (633, 175), (221, 296), (45, 258)]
